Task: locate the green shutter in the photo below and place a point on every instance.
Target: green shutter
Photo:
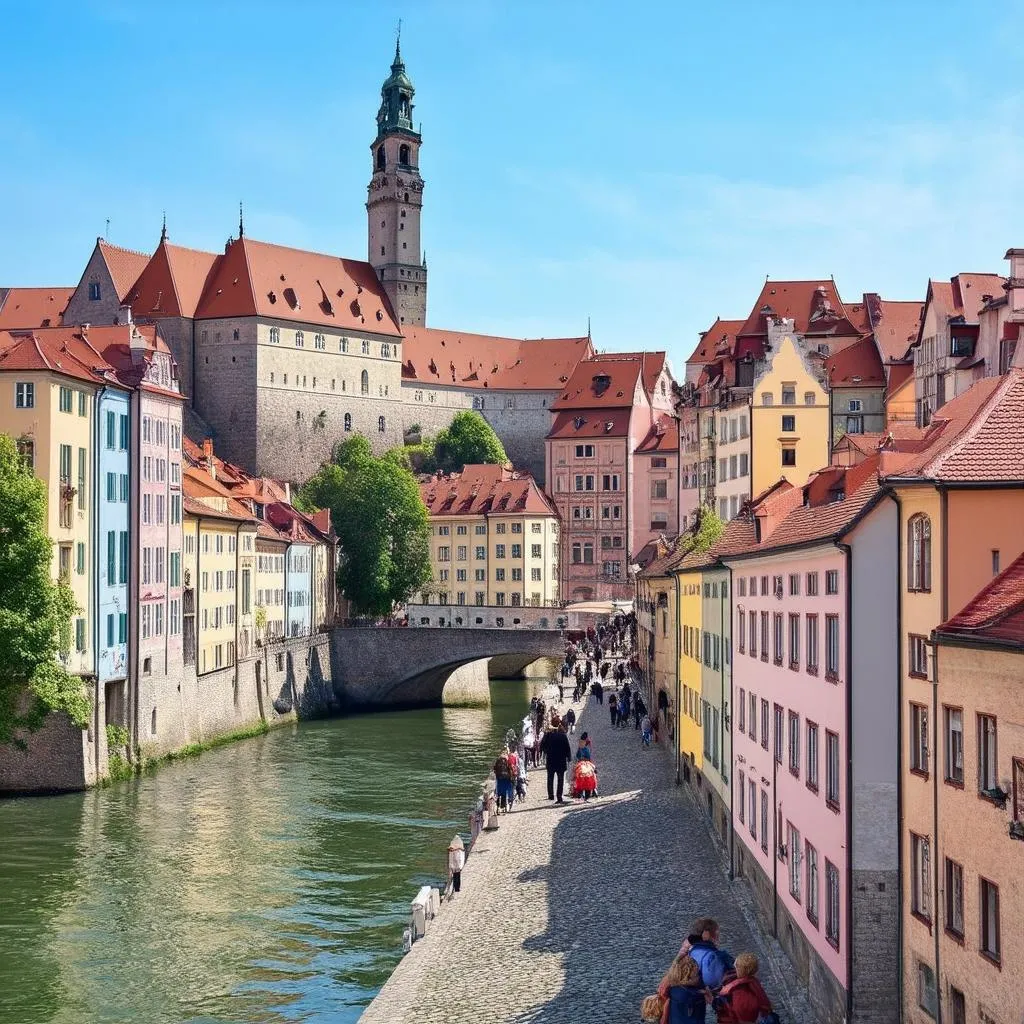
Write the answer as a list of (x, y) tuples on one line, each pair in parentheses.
[(110, 630), (122, 628), (123, 578), (111, 558)]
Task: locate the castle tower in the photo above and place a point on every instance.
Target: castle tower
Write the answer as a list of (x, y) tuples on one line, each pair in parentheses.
[(395, 199)]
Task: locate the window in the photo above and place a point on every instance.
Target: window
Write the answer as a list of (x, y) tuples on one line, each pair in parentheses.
[(957, 1006), (793, 848), (764, 636), (741, 630), (919, 738), (777, 638), (744, 463), (79, 635), (764, 821), (94, 291), (794, 743), (765, 723), (753, 717), (811, 856), (918, 661), (953, 729), (83, 469), (364, 383), (778, 733), (989, 920), (987, 777), (82, 404), (381, 424), (812, 756), (752, 818), (832, 903), (832, 581), (743, 789), (832, 769), (753, 634), (954, 889), (794, 640), (927, 994), (659, 488), (65, 399), (789, 394), (1017, 784), (584, 451), (788, 424), (767, 398), (609, 482), (832, 647), (499, 550), (919, 553), (517, 550), (789, 456)]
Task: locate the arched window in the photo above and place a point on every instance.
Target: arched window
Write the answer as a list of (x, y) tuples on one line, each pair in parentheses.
[(380, 158), (919, 553), (380, 424), (366, 348), (403, 154), (364, 382), (348, 421)]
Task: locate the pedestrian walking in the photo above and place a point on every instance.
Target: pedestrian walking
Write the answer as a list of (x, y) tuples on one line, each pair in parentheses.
[(683, 993), (504, 785), (743, 999), (613, 709), (558, 754), (456, 862), (570, 721)]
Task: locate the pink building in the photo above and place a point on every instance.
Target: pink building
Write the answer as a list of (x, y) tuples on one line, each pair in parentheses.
[(611, 461), (814, 727)]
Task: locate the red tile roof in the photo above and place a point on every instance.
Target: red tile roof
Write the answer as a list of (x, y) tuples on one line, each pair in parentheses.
[(173, 282), (261, 279), (651, 365), (996, 613), (856, 366), (455, 358), (894, 324), (608, 381), (662, 437), (124, 266), (717, 341), (484, 489), (978, 436), (32, 307), (589, 425), (60, 350)]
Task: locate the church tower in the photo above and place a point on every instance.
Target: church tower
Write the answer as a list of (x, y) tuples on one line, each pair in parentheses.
[(395, 199)]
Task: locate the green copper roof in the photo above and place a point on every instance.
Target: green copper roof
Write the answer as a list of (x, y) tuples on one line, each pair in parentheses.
[(396, 98)]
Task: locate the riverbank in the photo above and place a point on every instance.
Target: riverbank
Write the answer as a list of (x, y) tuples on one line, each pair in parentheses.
[(572, 912)]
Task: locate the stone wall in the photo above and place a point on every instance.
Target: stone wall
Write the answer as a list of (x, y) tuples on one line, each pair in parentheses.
[(876, 947)]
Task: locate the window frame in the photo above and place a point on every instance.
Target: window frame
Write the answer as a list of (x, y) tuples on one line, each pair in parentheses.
[(987, 953), (918, 739), (953, 873)]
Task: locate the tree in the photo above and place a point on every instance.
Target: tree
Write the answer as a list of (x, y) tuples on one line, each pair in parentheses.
[(706, 533), (382, 526), (467, 441), (35, 612)]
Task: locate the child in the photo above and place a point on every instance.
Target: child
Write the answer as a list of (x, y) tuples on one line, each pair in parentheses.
[(645, 730), (744, 999), (683, 992)]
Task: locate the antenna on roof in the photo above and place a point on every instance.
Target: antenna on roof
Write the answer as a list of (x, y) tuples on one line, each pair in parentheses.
[(106, 234), (241, 225), (588, 330), (163, 230)]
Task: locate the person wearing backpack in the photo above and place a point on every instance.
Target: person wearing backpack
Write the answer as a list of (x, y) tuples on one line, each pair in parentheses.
[(683, 993), (714, 963), (743, 1000)]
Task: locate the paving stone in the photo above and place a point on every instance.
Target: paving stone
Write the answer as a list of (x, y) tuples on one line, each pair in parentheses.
[(572, 913)]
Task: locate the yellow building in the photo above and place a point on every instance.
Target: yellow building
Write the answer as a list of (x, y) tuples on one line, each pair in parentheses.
[(219, 541), (657, 627), (494, 540), (690, 728), (47, 400), (789, 415)]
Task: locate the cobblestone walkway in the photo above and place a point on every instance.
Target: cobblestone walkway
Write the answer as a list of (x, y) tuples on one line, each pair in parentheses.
[(570, 914)]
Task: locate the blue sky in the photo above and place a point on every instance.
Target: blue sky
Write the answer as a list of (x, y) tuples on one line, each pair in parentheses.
[(644, 165)]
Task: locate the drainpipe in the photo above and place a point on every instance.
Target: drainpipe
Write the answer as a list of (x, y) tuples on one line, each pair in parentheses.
[(935, 811), (95, 545), (732, 711), (238, 586), (847, 551), (134, 535), (775, 843), (900, 554)]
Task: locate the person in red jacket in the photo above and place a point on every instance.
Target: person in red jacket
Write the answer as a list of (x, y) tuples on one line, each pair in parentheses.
[(743, 1001)]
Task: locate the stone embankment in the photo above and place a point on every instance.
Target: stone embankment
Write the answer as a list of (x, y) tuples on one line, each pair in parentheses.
[(571, 913)]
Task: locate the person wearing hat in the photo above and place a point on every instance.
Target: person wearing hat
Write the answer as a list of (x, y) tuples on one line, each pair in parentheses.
[(456, 862)]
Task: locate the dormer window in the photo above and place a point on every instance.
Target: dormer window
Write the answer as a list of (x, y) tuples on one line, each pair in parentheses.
[(601, 382)]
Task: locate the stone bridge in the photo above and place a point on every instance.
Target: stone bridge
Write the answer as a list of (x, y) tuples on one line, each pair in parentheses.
[(410, 667)]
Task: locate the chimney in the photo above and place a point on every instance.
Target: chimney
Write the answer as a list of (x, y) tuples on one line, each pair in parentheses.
[(136, 345), (124, 315), (208, 463), (1015, 286)]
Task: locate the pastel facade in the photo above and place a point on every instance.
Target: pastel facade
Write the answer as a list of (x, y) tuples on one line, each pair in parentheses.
[(815, 808), (689, 709), (271, 550), (494, 540), (964, 470), (657, 607), (715, 694), (611, 406), (978, 802)]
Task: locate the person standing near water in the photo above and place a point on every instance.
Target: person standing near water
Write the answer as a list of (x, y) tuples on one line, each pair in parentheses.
[(558, 754), (456, 862)]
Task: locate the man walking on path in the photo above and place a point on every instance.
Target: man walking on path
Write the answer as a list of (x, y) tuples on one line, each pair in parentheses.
[(558, 754)]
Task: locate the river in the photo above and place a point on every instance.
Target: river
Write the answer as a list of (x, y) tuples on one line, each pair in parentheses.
[(265, 881)]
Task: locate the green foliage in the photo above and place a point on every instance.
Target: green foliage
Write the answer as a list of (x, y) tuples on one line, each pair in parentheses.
[(117, 737), (381, 522), (422, 456), (119, 769), (707, 533), (468, 440), (35, 612), (399, 456)]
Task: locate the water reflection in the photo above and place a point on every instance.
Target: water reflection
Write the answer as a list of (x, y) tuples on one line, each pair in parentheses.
[(268, 881)]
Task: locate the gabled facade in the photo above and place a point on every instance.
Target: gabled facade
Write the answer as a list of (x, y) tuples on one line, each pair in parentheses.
[(102, 293)]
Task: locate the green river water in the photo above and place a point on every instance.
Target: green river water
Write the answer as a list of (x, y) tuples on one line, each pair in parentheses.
[(265, 881)]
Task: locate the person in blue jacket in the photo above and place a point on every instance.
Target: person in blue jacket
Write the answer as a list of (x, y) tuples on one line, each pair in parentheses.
[(702, 945)]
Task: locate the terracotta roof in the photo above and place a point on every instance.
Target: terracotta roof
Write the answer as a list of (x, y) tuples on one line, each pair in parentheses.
[(198, 483), (32, 307), (996, 613), (603, 382), (172, 282), (856, 366), (814, 306), (458, 359), (234, 511), (484, 489), (717, 341), (260, 279), (653, 564), (662, 437), (962, 295), (57, 349), (589, 425), (124, 266), (293, 524), (894, 324), (977, 436)]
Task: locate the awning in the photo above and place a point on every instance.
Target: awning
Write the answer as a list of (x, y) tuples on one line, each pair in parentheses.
[(601, 607)]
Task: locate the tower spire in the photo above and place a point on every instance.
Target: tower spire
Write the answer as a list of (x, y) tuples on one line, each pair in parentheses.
[(163, 230), (241, 223), (398, 45)]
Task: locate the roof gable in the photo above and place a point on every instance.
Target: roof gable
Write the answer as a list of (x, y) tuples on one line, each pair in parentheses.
[(22, 308), (995, 613)]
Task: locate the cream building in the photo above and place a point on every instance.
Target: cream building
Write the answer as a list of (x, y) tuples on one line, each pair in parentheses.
[(494, 541)]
